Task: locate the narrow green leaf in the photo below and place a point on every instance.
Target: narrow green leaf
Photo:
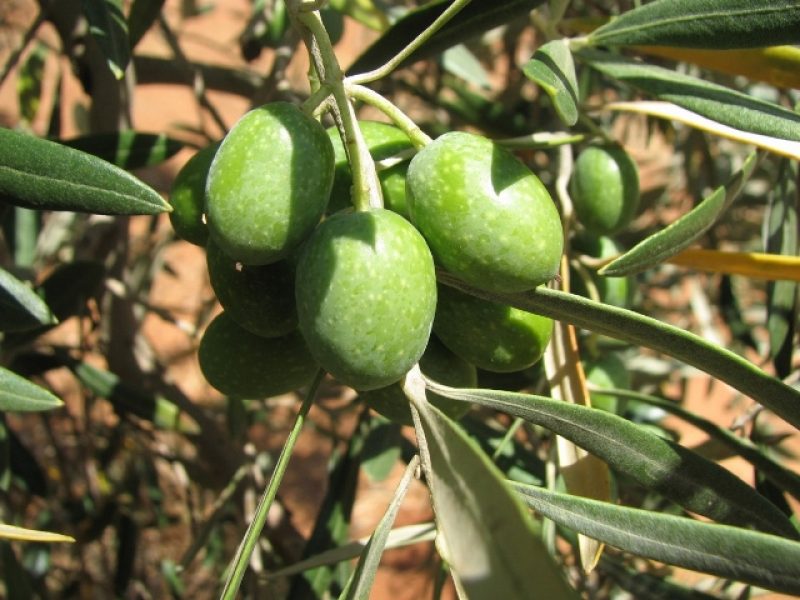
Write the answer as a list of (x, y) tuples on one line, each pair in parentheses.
[(680, 234), (11, 532), (782, 238), (492, 546), (108, 27), (20, 307), (721, 24), (382, 449), (127, 149), (37, 173), (710, 100), (19, 394), (677, 473), (461, 62), (784, 478), (360, 583), (473, 20), (647, 584), (553, 69), (752, 557), (142, 15), (642, 330)]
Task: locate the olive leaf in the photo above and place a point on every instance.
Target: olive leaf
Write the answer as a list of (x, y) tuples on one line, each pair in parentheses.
[(20, 307), (108, 27), (623, 324), (142, 15), (715, 102), (461, 62), (127, 149), (681, 233), (37, 173), (19, 394), (553, 69), (11, 532), (704, 24), (753, 557), (471, 21), (675, 472)]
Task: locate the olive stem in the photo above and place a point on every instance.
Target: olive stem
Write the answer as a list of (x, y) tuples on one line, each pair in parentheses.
[(419, 138), (423, 37), (248, 544), (542, 140), (315, 101), (366, 187), (413, 385)]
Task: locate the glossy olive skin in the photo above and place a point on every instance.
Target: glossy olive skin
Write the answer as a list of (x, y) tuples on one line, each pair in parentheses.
[(616, 291), (605, 189), (442, 366), (366, 297), (269, 184), (245, 365), (608, 371), (488, 335), (487, 218), (259, 298), (187, 197), (384, 141)]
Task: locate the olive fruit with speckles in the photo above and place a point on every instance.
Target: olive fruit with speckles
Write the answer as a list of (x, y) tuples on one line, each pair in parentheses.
[(616, 291), (384, 141), (366, 297), (442, 366), (260, 298), (245, 365), (269, 183), (605, 189), (487, 218), (610, 372), (491, 336), (187, 197)]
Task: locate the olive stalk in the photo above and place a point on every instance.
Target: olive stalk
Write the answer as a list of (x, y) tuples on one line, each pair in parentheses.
[(242, 558), (398, 58), (419, 138), (366, 187)]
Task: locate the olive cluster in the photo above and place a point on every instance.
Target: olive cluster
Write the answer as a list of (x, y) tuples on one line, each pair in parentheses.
[(307, 283)]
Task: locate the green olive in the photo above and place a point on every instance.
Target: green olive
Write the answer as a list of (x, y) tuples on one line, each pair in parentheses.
[(187, 197)]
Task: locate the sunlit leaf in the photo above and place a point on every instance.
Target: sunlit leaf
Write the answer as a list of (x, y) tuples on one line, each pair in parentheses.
[(20, 307), (713, 101), (756, 265), (684, 231), (19, 394), (11, 532), (757, 558), (37, 173), (704, 24), (553, 69), (108, 27), (462, 63)]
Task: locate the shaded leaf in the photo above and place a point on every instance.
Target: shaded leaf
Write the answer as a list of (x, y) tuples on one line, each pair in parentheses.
[(382, 449), (108, 27), (19, 394), (29, 83), (363, 11), (20, 307), (677, 473), (623, 324), (704, 24), (471, 21), (642, 584), (11, 532), (710, 100), (685, 230), (553, 69), (127, 149), (757, 558), (37, 173), (141, 17), (491, 544)]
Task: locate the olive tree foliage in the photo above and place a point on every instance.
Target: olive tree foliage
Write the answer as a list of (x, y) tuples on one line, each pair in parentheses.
[(483, 267)]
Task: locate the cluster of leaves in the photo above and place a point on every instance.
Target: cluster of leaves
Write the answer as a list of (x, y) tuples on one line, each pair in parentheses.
[(488, 539)]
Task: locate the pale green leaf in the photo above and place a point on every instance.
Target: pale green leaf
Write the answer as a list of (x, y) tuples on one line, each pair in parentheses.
[(553, 69), (19, 394), (681, 233), (757, 558), (20, 307), (461, 62)]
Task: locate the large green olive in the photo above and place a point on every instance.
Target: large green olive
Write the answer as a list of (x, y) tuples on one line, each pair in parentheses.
[(242, 364), (439, 364), (366, 297), (269, 183), (260, 298), (605, 188), (491, 336), (485, 215), (187, 197), (384, 141)]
